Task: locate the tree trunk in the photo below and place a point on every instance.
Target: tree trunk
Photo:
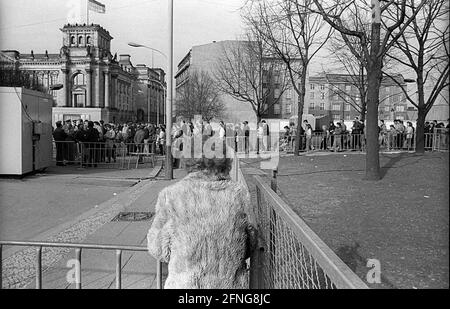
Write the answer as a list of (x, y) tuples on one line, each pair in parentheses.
[(373, 94), (301, 104), (420, 131)]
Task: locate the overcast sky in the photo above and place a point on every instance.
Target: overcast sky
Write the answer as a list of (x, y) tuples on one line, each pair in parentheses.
[(27, 25)]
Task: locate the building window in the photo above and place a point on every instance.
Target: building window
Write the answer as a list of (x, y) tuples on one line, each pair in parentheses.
[(322, 106), (387, 109), (400, 118), (277, 109), (289, 94), (336, 107), (311, 105), (80, 40), (312, 95), (347, 117), (322, 87), (78, 80), (88, 40), (336, 117), (400, 108), (289, 108), (347, 107), (348, 88), (80, 100), (395, 98), (388, 89), (72, 40), (313, 86), (276, 93), (322, 96)]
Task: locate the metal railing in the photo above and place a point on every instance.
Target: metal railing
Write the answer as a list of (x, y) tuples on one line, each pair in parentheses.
[(104, 155), (438, 141), (78, 249), (290, 255)]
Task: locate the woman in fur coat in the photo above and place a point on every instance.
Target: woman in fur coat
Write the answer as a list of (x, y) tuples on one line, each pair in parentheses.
[(201, 229)]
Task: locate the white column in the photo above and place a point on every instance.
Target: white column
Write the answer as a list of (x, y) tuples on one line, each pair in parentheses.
[(107, 85)]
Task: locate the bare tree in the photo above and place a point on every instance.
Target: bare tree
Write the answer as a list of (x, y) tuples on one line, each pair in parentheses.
[(248, 73), (337, 13), (200, 96), (294, 35), (424, 48), (355, 69)]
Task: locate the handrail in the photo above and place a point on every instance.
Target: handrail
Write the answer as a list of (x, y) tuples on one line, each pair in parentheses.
[(78, 249), (340, 274), (72, 245)]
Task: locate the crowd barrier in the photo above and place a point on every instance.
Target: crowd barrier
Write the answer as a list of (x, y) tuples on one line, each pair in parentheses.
[(438, 141), (289, 254), (78, 250), (105, 155)]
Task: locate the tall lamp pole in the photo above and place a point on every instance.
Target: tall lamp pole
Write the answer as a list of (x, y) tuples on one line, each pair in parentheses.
[(169, 97), (169, 164)]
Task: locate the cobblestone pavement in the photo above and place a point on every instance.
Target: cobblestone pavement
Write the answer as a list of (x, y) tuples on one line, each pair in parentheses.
[(19, 268)]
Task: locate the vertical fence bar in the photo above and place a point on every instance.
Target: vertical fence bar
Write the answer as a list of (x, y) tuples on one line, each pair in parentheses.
[(78, 269), (119, 269), (39, 268), (1, 266), (159, 275)]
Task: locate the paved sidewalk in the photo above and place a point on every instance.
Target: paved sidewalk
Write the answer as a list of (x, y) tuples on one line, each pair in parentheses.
[(98, 267)]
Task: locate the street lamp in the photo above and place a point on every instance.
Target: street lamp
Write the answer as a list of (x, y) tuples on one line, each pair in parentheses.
[(169, 102)]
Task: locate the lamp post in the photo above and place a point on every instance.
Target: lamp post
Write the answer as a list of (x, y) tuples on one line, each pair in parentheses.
[(169, 102)]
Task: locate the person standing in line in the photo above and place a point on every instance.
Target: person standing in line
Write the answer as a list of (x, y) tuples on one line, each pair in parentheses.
[(338, 137), (382, 133), (309, 134), (293, 134), (409, 135), (60, 138), (208, 129), (246, 137), (110, 137), (162, 140)]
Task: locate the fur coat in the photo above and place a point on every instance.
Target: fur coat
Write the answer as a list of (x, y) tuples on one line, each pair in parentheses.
[(202, 231)]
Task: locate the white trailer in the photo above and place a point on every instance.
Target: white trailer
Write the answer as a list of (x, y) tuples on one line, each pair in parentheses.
[(25, 131)]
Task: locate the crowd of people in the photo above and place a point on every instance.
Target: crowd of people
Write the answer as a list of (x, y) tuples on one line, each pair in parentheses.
[(338, 137), (97, 142), (334, 137)]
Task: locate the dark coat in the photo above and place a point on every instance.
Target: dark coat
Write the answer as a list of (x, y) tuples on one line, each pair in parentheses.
[(59, 135)]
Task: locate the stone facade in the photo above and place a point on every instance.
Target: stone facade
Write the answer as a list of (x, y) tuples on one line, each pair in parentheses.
[(205, 58), (337, 97), (96, 84)]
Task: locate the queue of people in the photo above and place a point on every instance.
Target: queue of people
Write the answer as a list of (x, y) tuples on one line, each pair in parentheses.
[(93, 143)]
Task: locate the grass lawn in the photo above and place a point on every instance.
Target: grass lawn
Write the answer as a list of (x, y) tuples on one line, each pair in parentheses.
[(401, 220)]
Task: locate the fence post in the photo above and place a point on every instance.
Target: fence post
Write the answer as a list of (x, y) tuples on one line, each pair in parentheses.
[(39, 268), (78, 274), (274, 183), (159, 275), (119, 269), (1, 266)]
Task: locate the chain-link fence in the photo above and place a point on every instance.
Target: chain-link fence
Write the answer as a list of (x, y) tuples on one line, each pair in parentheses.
[(290, 255)]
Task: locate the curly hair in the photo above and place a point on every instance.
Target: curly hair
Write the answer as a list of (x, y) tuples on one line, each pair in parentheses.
[(217, 166)]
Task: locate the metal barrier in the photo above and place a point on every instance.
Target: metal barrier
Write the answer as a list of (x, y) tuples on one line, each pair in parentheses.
[(78, 249), (290, 255), (104, 155), (437, 141)]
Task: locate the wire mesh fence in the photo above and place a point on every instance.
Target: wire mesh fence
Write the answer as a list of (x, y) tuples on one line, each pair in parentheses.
[(290, 255)]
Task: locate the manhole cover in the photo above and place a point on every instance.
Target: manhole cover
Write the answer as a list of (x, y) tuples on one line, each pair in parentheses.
[(133, 217)]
